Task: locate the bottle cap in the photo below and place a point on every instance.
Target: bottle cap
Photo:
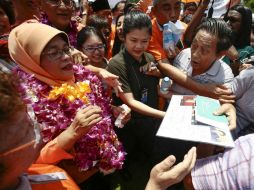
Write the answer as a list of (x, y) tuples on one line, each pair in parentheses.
[(166, 79)]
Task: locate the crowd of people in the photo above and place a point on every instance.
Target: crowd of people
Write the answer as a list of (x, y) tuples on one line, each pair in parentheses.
[(80, 100)]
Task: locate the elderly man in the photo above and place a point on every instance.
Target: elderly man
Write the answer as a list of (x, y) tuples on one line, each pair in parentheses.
[(165, 11), (202, 62), (20, 146)]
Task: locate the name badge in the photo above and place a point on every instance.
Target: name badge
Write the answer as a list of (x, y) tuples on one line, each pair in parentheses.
[(144, 95)]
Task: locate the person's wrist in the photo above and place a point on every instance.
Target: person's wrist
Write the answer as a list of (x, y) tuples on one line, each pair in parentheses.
[(151, 185), (72, 133)]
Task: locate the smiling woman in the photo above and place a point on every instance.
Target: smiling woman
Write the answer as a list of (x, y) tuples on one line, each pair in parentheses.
[(68, 100), (92, 44), (57, 13)]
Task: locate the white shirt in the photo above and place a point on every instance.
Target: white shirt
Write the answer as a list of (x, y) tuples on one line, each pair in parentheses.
[(218, 73)]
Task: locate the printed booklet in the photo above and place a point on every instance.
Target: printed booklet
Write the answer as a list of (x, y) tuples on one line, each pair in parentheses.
[(191, 118)]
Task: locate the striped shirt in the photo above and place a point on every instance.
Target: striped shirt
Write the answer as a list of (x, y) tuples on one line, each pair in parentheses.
[(233, 169)]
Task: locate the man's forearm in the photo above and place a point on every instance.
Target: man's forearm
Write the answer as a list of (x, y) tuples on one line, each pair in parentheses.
[(195, 21), (182, 79)]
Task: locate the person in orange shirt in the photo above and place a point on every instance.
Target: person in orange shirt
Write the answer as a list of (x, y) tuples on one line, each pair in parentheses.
[(20, 146), (165, 11)]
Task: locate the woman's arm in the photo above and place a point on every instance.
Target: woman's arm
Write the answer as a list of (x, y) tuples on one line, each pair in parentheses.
[(139, 107)]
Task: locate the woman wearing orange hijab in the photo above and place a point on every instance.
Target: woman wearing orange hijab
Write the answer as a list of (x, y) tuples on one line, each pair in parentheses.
[(68, 101)]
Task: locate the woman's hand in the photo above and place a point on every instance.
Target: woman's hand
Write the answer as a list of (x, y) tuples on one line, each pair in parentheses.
[(111, 80), (85, 119), (82, 123), (79, 57), (126, 113), (150, 69)]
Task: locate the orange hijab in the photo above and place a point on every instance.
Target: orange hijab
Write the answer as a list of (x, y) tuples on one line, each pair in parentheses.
[(26, 43)]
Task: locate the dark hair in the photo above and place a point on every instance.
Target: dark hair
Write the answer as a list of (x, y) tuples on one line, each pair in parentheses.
[(117, 42), (220, 29), (116, 6), (130, 7), (85, 33), (243, 36), (136, 20), (10, 101), (7, 6), (98, 22)]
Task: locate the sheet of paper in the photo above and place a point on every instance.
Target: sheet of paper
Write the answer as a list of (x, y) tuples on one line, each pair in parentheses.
[(179, 123)]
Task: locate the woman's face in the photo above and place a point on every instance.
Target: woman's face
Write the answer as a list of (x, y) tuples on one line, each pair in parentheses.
[(119, 28), (59, 12), (94, 49), (106, 33), (4, 22), (136, 42), (56, 59), (234, 20)]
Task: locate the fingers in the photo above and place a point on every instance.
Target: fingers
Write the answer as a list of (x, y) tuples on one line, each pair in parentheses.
[(222, 110), (229, 110), (87, 116), (184, 167), (227, 98), (225, 88), (118, 90), (232, 121), (126, 118), (166, 164)]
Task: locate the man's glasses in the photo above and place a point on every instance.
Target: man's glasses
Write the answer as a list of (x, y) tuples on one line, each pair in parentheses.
[(54, 54), (67, 3), (93, 49)]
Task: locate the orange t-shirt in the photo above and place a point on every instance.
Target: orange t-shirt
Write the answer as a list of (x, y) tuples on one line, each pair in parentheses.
[(51, 153), (111, 41), (156, 43), (66, 184)]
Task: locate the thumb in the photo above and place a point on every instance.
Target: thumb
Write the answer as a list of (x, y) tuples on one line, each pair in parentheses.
[(167, 163), (222, 110)]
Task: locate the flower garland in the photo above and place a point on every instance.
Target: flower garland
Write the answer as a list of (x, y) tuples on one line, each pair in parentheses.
[(100, 146), (72, 34)]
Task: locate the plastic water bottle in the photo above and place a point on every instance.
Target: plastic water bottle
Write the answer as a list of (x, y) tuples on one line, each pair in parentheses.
[(118, 122), (168, 39), (165, 84)]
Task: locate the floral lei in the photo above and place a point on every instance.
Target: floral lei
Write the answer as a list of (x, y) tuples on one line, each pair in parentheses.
[(100, 146), (72, 34)]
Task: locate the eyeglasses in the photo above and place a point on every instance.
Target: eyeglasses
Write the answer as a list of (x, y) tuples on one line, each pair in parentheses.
[(67, 3), (55, 54), (93, 49)]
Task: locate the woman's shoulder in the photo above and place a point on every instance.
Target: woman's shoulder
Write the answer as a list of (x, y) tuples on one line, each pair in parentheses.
[(117, 60), (149, 57)]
